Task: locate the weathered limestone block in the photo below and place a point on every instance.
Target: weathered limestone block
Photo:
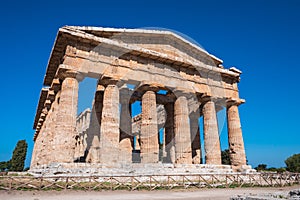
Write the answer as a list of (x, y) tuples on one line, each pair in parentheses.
[(235, 137), (149, 130), (126, 137), (183, 151), (211, 134), (110, 121), (65, 132), (169, 133)]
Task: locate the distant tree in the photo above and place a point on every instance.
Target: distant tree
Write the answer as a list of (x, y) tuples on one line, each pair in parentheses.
[(4, 166), (261, 167), (225, 157), (272, 169), (293, 163), (19, 155), (281, 169)]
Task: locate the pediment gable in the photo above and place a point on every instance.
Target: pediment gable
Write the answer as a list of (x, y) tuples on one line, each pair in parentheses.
[(163, 41)]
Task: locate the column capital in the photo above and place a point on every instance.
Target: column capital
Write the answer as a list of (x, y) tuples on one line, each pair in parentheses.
[(206, 98), (180, 92), (125, 94), (149, 87), (48, 104), (55, 85), (105, 81), (217, 100), (100, 87), (51, 95), (69, 73), (236, 102)]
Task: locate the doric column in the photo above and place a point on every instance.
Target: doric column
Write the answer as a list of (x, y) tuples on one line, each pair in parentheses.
[(110, 120), (52, 128), (183, 151), (37, 157), (149, 130), (126, 138), (235, 137), (64, 142), (211, 134), (93, 135), (169, 133), (34, 154), (85, 133), (36, 150), (195, 136)]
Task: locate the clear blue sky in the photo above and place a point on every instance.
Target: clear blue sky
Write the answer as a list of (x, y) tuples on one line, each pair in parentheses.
[(262, 38)]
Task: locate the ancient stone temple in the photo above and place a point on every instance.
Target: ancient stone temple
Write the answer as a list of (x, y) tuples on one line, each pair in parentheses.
[(176, 81)]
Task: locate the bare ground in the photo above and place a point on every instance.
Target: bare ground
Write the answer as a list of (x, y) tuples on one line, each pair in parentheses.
[(200, 194)]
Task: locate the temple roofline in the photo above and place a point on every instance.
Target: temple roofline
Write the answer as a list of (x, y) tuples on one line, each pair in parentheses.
[(79, 32)]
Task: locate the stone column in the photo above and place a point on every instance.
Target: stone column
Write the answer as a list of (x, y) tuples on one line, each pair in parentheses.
[(235, 137), (64, 142), (42, 155), (149, 130), (110, 120), (35, 152), (85, 133), (93, 135), (126, 138), (38, 148), (51, 146), (183, 151), (211, 134), (195, 136), (169, 133)]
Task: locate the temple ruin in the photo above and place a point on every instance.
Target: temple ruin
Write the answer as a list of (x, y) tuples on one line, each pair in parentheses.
[(176, 81)]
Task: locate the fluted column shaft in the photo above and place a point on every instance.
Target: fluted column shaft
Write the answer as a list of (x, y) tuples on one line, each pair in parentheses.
[(195, 137), (149, 130), (126, 138), (37, 149), (34, 155), (110, 120), (235, 137), (183, 151), (169, 134), (50, 131), (64, 142), (43, 142), (211, 134), (93, 135)]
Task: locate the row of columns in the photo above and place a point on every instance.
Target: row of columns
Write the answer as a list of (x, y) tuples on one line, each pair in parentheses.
[(179, 129)]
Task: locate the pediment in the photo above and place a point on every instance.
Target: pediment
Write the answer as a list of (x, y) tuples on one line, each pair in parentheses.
[(159, 45), (162, 41)]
